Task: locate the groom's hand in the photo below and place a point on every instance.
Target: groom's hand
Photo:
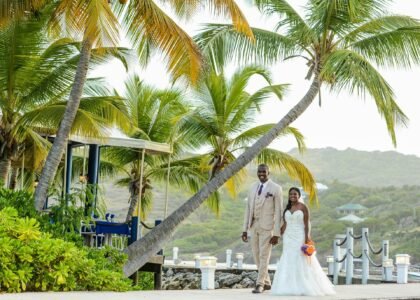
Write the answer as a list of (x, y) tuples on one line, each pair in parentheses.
[(244, 237), (274, 240)]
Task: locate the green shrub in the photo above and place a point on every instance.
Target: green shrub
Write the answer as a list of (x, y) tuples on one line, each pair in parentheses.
[(63, 220), (145, 281), (31, 260), (22, 201)]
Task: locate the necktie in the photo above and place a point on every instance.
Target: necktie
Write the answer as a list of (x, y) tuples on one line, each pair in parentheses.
[(260, 189)]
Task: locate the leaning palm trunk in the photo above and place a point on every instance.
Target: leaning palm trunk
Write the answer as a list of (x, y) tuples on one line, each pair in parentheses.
[(4, 171), (140, 251), (60, 142), (134, 195), (131, 208)]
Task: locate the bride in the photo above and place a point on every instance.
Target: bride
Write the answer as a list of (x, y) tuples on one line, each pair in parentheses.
[(296, 273)]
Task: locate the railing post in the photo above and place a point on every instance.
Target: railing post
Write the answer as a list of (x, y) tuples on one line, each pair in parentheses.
[(175, 255), (385, 256), (336, 254), (349, 259), (240, 258), (365, 254), (228, 258)]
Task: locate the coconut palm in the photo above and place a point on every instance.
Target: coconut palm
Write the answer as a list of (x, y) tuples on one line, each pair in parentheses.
[(154, 115), (35, 77), (221, 122), (16, 9), (343, 43), (148, 27)]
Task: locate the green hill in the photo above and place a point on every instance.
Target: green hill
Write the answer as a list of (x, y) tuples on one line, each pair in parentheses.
[(361, 168)]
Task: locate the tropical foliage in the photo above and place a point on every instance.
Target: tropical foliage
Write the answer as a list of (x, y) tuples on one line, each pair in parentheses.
[(148, 27), (33, 261), (154, 115), (220, 124), (342, 42), (36, 76), (11, 10)]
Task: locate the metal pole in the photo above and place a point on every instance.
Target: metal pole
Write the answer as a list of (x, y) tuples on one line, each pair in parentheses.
[(167, 188), (385, 256), (349, 258), (365, 253), (84, 178), (63, 194), (336, 254), (84, 161), (69, 163), (92, 180), (22, 173), (140, 193)]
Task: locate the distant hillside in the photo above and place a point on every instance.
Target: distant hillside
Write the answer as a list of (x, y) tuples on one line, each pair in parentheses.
[(361, 168)]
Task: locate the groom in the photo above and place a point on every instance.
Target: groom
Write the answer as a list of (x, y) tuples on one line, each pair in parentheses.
[(262, 218)]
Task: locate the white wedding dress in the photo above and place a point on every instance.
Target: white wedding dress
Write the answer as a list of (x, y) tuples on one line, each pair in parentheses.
[(297, 274)]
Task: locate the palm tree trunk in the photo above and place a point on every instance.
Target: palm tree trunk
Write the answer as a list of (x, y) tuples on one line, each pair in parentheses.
[(13, 178), (133, 203), (60, 142), (4, 171), (140, 251)]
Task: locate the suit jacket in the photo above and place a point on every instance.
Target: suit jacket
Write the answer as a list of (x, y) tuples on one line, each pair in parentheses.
[(272, 207)]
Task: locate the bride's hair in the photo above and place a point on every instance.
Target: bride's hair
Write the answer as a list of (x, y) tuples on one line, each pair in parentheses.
[(289, 203)]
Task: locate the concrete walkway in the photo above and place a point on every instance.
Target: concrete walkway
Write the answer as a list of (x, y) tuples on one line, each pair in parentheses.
[(382, 291)]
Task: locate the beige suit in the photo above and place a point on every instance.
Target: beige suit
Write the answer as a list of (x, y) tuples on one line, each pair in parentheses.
[(263, 219)]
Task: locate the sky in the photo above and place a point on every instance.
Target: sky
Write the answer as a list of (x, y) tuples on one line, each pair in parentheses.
[(342, 121)]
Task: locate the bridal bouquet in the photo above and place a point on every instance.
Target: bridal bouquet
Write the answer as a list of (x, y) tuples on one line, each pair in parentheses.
[(309, 248)]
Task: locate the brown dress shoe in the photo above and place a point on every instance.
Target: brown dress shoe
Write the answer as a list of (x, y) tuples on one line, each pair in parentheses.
[(258, 289), (267, 287)]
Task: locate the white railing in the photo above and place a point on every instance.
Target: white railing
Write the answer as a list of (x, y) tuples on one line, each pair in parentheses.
[(345, 261)]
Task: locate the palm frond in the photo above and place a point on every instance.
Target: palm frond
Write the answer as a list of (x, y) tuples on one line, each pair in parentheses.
[(229, 7), (294, 168), (278, 90), (187, 173), (91, 19), (94, 117), (251, 135), (338, 16), (221, 44), (147, 22), (12, 10), (349, 70), (290, 19), (240, 80), (381, 24), (391, 46)]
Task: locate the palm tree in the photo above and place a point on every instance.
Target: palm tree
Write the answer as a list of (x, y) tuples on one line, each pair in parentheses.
[(148, 28), (11, 10), (35, 77), (154, 115), (223, 113), (341, 41)]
